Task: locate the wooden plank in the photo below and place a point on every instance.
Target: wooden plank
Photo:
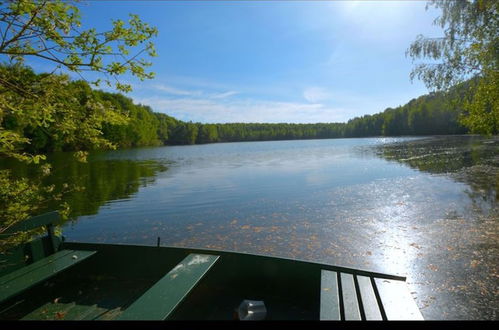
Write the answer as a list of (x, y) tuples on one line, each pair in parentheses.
[(50, 311), (163, 297), (80, 312), (65, 311), (330, 296), (93, 313), (35, 251), (31, 267), (397, 300), (26, 277), (35, 222), (350, 302), (368, 297)]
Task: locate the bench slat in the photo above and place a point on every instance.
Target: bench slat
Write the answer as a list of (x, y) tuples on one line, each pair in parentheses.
[(397, 301), (28, 276), (162, 298), (31, 267), (330, 298), (35, 222), (369, 302), (350, 302)]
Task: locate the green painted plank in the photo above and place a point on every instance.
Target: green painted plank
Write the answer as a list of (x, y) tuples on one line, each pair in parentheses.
[(369, 302), (50, 311), (35, 222), (65, 311), (397, 301), (32, 267), (330, 297), (40, 271), (93, 313), (35, 251), (164, 296), (111, 315), (350, 303), (79, 311)]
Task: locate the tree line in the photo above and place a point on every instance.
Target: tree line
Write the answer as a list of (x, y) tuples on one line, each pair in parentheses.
[(135, 125)]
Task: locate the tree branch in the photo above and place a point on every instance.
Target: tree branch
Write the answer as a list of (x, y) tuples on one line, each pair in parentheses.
[(23, 29)]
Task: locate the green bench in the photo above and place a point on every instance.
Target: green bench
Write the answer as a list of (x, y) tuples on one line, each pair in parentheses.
[(39, 271), (164, 296), (45, 261), (47, 220), (347, 296)]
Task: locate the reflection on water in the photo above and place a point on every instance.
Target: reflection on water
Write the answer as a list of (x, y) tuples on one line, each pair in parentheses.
[(423, 207), (91, 184), (472, 160)]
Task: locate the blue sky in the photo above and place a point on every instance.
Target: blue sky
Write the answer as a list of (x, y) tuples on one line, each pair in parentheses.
[(275, 61)]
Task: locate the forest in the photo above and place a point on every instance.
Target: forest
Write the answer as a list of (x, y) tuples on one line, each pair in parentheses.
[(136, 125)]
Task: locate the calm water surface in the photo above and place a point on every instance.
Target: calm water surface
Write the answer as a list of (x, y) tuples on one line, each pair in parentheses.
[(422, 207)]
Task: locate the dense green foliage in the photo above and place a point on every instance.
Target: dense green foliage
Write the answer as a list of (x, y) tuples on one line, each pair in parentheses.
[(51, 113), (141, 129), (41, 113), (469, 48), (429, 114)]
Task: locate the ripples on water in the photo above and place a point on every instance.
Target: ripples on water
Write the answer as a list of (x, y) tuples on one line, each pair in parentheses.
[(424, 207)]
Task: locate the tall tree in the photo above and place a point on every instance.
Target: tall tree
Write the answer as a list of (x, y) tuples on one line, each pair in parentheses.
[(468, 49), (67, 112)]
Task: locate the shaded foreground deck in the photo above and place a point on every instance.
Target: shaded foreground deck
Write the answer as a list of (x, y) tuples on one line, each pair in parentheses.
[(49, 279), (116, 278)]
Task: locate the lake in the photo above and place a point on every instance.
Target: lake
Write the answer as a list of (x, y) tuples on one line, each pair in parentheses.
[(422, 207)]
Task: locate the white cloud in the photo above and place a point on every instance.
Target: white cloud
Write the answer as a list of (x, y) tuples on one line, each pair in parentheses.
[(193, 93), (176, 91), (223, 95), (323, 106), (209, 110), (316, 94)]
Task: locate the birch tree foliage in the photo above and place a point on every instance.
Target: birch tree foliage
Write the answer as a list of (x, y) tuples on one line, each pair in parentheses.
[(52, 30), (64, 111), (468, 51)]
